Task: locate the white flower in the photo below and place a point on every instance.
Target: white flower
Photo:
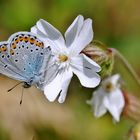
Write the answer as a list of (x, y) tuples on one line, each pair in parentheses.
[(68, 57), (108, 97)]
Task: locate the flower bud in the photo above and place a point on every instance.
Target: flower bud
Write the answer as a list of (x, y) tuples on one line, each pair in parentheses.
[(132, 106)]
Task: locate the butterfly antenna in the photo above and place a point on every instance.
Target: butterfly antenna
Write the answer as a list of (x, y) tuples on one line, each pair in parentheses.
[(21, 95), (14, 86)]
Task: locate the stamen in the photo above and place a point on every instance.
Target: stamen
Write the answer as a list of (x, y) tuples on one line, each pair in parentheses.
[(63, 58), (109, 87)]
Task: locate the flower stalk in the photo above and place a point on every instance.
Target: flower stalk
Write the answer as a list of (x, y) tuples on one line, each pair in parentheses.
[(127, 65)]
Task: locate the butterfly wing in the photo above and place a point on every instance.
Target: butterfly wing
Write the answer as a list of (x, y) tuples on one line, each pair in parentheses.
[(6, 66), (26, 53)]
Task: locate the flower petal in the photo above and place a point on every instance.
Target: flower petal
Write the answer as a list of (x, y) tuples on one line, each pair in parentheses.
[(84, 62), (85, 36), (38, 32), (74, 29), (66, 81), (47, 42), (114, 79), (114, 102), (99, 108), (52, 34), (53, 89), (86, 73), (34, 29), (91, 64), (58, 86), (87, 81), (49, 71), (50, 31)]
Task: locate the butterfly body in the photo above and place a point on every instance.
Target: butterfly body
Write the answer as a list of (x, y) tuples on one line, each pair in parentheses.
[(24, 58)]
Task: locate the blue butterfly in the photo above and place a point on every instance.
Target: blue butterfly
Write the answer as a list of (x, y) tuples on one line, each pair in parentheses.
[(23, 57)]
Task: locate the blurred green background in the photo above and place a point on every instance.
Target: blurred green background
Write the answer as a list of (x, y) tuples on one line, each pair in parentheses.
[(116, 23)]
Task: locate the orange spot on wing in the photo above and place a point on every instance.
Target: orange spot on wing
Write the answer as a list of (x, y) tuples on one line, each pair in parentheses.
[(21, 38), (40, 44), (26, 38), (14, 46), (12, 52), (3, 49), (32, 41), (16, 41)]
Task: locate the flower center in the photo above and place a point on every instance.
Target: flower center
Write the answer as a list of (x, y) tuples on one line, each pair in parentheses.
[(63, 58), (109, 87)]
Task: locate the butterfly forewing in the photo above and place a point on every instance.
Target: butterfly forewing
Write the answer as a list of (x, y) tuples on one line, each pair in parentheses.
[(26, 52), (24, 57), (6, 66)]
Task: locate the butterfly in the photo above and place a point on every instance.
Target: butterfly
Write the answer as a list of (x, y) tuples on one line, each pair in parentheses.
[(23, 57)]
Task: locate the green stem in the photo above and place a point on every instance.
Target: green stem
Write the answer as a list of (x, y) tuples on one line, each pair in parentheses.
[(127, 65)]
